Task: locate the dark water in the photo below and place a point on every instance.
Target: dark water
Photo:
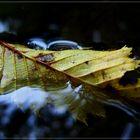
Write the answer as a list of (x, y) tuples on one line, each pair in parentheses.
[(25, 113), (102, 26)]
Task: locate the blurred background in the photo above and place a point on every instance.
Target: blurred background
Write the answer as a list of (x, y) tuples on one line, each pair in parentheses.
[(86, 23), (99, 25)]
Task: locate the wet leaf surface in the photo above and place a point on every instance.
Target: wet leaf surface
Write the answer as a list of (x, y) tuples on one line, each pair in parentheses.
[(87, 71)]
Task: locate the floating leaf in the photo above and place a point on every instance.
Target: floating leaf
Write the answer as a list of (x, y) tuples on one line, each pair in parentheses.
[(88, 71)]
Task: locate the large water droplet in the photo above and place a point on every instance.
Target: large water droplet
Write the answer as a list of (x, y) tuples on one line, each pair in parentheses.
[(57, 45)]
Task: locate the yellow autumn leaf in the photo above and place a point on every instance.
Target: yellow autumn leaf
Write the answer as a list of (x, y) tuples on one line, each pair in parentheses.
[(19, 63), (21, 66)]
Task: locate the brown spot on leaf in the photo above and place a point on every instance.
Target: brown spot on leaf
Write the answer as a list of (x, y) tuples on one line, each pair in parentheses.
[(45, 58)]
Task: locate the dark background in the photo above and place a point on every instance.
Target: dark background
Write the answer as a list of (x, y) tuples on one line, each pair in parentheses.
[(100, 25), (115, 22)]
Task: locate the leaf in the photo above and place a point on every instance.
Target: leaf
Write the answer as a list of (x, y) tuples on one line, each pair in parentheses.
[(87, 71)]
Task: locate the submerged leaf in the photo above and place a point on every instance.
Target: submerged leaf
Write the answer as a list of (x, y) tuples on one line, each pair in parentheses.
[(87, 71)]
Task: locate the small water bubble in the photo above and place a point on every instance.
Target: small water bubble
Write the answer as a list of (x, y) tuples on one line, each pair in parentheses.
[(37, 43)]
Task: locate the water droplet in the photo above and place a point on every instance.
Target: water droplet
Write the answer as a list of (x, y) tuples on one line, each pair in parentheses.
[(37, 43), (58, 45)]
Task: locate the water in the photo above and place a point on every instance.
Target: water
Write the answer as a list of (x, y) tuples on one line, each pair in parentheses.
[(89, 24), (55, 45), (55, 107)]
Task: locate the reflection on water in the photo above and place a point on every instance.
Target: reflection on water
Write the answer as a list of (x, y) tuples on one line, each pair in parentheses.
[(44, 106), (35, 98), (128, 110)]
